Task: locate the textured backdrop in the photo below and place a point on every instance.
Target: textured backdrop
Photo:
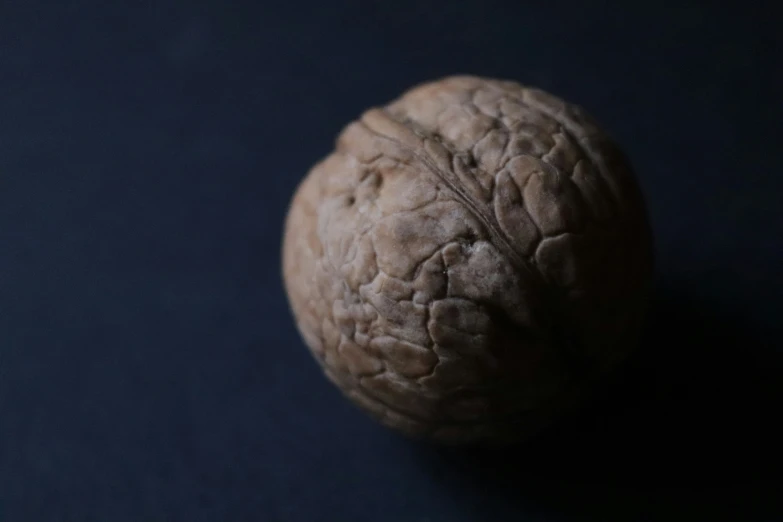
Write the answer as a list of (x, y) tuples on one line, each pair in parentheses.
[(149, 367)]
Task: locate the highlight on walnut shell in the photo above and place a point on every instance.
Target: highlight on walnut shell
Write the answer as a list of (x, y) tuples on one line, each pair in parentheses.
[(470, 261)]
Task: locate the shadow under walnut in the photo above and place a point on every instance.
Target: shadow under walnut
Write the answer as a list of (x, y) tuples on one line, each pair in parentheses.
[(685, 432), (469, 261)]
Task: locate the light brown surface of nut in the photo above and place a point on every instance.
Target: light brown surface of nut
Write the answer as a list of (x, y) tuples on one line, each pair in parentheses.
[(469, 260)]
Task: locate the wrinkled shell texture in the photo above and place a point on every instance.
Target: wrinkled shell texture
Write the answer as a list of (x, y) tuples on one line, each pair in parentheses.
[(469, 261)]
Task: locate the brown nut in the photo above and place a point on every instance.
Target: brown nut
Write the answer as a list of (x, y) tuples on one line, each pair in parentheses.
[(470, 260)]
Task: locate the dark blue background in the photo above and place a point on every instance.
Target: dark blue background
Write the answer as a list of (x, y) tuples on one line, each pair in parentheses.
[(149, 366)]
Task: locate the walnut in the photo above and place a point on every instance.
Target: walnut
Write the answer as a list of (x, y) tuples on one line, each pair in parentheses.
[(470, 261)]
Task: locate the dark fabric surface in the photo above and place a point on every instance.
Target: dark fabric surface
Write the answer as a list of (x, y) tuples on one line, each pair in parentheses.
[(149, 367)]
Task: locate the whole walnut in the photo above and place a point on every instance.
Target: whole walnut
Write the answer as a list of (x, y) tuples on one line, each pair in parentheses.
[(470, 261)]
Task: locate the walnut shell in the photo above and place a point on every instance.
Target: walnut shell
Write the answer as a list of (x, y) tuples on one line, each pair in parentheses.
[(470, 260)]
